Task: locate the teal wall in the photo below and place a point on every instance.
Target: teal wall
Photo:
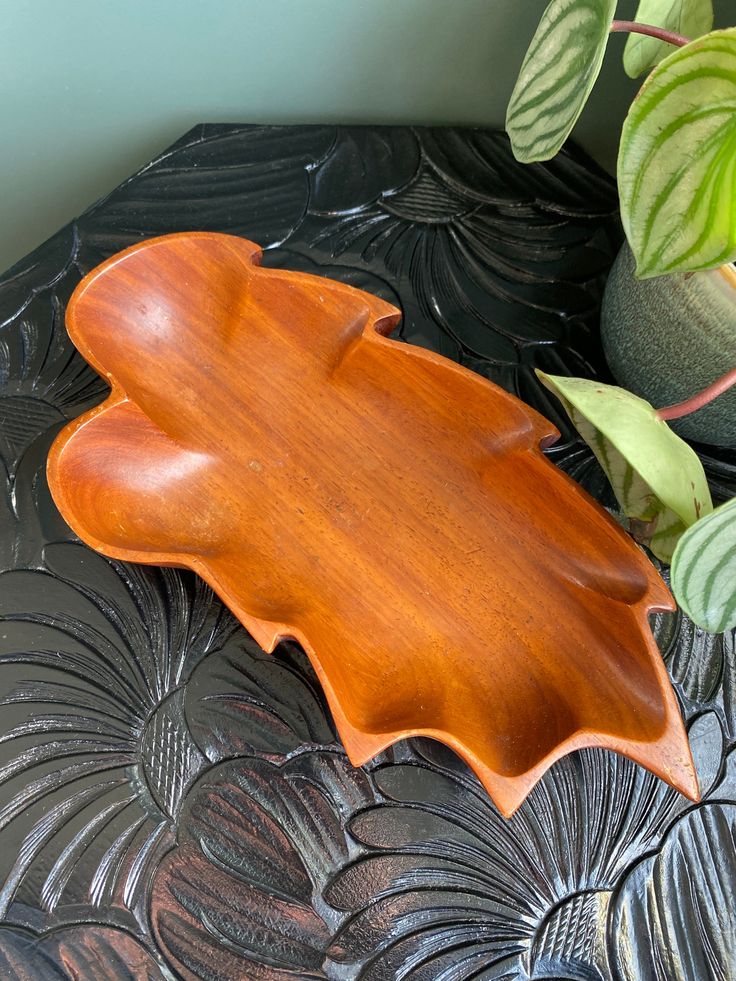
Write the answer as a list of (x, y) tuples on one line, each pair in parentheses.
[(91, 89)]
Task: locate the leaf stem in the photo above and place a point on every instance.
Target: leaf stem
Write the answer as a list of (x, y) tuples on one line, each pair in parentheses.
[(632, 27), (719, 386)]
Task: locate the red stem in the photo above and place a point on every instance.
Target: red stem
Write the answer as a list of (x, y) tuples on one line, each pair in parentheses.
[(631, 27), (719, 386)]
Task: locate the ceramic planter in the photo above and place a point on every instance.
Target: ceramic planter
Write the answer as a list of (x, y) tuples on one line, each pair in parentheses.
[(669, 337)]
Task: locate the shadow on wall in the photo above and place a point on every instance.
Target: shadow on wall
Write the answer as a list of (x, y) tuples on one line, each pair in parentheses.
[(91, 91)]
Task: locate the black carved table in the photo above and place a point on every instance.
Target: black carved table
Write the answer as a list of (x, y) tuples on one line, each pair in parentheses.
[(173, 802)]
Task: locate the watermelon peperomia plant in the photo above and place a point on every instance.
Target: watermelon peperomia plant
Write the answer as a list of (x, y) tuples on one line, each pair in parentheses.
[(677, 188), (704, 569), (678, 145), (661, 487)]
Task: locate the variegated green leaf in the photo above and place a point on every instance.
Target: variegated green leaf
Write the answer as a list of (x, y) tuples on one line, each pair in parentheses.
[(704, 570), (657, 478), (677, 161), (557, 75), (690, 18)]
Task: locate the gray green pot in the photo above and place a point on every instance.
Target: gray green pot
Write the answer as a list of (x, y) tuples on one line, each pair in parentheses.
[(667, 338)]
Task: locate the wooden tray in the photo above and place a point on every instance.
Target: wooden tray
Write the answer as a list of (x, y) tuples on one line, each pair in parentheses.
[(445, 579)]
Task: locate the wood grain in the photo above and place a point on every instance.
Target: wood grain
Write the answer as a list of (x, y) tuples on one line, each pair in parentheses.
[(444, 578)]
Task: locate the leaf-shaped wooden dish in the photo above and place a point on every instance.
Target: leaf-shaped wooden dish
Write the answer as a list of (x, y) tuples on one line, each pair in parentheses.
[(387, 508)]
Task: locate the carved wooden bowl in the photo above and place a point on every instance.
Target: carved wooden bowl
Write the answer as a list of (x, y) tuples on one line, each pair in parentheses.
[(388, 509)]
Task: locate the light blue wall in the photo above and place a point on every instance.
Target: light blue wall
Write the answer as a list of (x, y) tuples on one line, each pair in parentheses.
[(91, 89)]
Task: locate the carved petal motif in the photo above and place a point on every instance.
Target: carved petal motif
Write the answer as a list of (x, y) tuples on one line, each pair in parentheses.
[(687, 890), (445, 579), (86, 952), (235, 898)]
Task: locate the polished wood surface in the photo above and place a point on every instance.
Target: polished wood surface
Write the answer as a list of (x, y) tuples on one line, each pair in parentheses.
[(388, 509)]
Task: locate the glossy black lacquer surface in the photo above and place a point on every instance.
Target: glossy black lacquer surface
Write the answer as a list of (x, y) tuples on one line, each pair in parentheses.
[(173, 802)]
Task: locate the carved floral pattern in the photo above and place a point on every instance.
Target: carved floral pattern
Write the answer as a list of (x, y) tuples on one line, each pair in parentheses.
[(175, 803)]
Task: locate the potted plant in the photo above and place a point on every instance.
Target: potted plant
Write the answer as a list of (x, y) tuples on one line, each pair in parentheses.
[(669, 312)]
